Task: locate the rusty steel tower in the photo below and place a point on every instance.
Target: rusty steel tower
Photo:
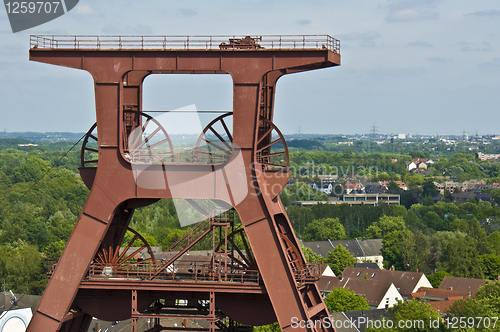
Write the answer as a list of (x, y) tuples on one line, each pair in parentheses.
[(256, 272)]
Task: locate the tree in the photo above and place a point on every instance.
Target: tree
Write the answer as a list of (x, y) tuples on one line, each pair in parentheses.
[(54, 250), (343, 299), (495, 194), (461, 258), (384, 226), (391, 249), (274, 327), (419, 314), (22, 268), (434, 221), (480, 309), (440, 241), (494, 242), (324, 229), (436, 278), (311, 256), (416, 253), (429, 189), (490, 265), (174, 235), (339, 258)]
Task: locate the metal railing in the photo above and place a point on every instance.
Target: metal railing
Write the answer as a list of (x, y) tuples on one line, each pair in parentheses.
[(177, 156), (231, 43), (308, 273), (177, 271)]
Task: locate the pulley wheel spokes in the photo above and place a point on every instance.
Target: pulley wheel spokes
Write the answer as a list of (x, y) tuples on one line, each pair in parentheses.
[(148, 142), (271, 150), (90, 146), (215, 143), (113, 259)]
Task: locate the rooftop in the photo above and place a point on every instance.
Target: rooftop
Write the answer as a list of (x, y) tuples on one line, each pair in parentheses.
[(462, 284), (404, 281)]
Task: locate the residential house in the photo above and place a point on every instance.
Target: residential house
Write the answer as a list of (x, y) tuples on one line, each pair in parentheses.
[(400, 184), (375, 188), (372, 251), (327, 283), (367, 265), (439, 299), (419, 163), (379, 294), (326, 271), (404, 281), (321, 248), (460, 198), (350, 187), (462, 284), (348, 327), (324, 187), (361, 318), (365, 250), (410, 166)]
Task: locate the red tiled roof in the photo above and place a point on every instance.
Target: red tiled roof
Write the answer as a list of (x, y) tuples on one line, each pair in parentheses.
[(441, 306), (426, 292)]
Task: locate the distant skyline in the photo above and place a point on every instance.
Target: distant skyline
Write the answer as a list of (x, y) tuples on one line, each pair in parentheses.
[(426, 67)]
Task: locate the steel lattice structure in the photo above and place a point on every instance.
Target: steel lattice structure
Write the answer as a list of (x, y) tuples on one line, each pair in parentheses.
[(257, 273)]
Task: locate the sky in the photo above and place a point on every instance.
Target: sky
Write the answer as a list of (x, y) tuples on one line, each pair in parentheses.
[(421, 67)]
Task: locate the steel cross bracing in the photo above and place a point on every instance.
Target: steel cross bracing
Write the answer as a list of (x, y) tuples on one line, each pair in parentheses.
[(263, 280)]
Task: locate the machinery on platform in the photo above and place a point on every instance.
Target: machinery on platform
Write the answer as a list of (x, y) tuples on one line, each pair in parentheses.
[(255, 273)]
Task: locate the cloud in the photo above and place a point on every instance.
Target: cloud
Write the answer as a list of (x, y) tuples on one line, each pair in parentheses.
[(410, 4), (188, 12), (365, 39), (494, 64), (485, 13), (396, 73), (303, 22), (120, 29), (370, 35), (407, 15), (420, 43), (474, 47), (438, 60), (85, 10)]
